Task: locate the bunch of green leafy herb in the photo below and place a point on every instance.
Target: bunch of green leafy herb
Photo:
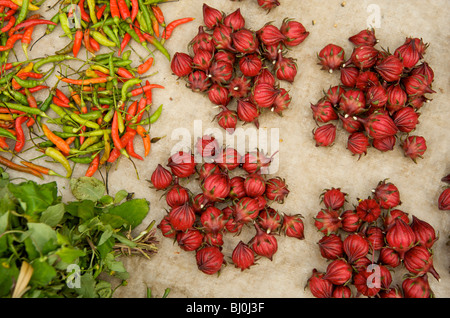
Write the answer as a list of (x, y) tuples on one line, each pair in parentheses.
[(49, 248)]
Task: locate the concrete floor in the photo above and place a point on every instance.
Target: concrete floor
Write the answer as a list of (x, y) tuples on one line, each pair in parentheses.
[(307, 169)]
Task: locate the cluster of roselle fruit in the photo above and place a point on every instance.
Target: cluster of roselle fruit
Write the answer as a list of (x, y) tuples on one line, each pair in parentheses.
[(231, 62), (364, 244), (444, 197), (379, 96), (234, 194)]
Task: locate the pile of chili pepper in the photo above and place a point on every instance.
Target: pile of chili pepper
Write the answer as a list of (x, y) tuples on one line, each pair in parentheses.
[(114, 23), (16, 24)]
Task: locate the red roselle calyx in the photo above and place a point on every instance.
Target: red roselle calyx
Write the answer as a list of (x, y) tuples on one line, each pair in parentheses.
[(444, 200), (418, 260), (245, 41), (390, 68), (400, 237), (387, 195), (189, 240), (364, 285), (333, 94), (182, 164), (351, 123), (256, 161), (338, 272), (342, 291), (182, 217), (364, 56), (237, 189), (269, 220), (229, 160), (166, 228), (417, 84), (216, 187), (408, 54), (352, 102), (294, 32), (250, 65), (327, 221), (293, 226), (376, 96), (323, 111), (406, 119), (397, 98), (212, 220), (243, 256), (325, 135), (364, 37), (270, 35), (265, 94), (227, 119), (161, 178), (375, 236), (417, 287), (368, 210), (320, 287), (181, 64), (281, 102), (392, 215), (349, 75), (276, 189), (211, 16), (207, 146), (358, 143), (220, 72), (379, 125), (202, 60), (240, 87), (331, 246), (268, 4), (235, 20), (219, 95), (198, 81), (350, 221), (209, 259), (389, 257), (221, 37), (285, 68), (247, 112), (384, 144), (177, 195), (333, 198), (414, 147), (246, 210), (264, 244), (202, 41), (355, 247), (331, 57), (254, 185)]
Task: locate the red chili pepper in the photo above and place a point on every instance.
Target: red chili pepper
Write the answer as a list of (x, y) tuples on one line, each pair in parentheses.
[(33, 22), (9, 25), (20, 135), (87, 41), (94, 44), (148, 93), (115, 132), (142, 90), (131, 111), (123, 72), (25, 75), (134, 9), (11, 41), (172, 25), (159, 15), (62, 96), (15, 166), (9, 4), (114, 8), (33, 104), (34, 89), (59, 102), (58, 141), (6, 67), (84, 15), (131, 152), (127, 136), (126, 39), (93, 166), (100, 11), (144, 67), (138, 32), (140, 109), (77, 42), (100, 74), (145, 138), (123, 9), (3, 144)]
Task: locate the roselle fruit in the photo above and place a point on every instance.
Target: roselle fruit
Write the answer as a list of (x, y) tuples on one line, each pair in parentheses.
[(281, 102), (350, 221), (269, 220), (207, 147), (376, 96), (219, 95), (342, 291), (250, 65), (391, 293), (364, 285), (424, 69), (387, 195), (334, 94), (384, 144), (202, 41), (229, 160), (221, 38), (211, 16), (379, 125), (331, 57), (182, 217), (364, 56), (270, 35), (325, 135), (323, 111), (397, 98), (243, 256), (246, 210), (375, 237), (245, 41), (351, 123), (235, 20), (254, 185), (213, 239), (349, 75), (198, 81), (161, 178), (227, 119), (333, 198), (177, 195), (392, 215), (216, 187), (389, 257), (355, 247), (265, 76), (166, 227), (212, 220), (263, 244), (331, 246), (220, 72), (255, 161), (320, 287), (285, 68), (294, 32), (248, 112), (364, 37), (408, 53), (419, 260), (352, 102), (189, 240), (264, 94), (417, 287), (182, 164), (414, 147), (276, 189), (358, 143), (400, 237), (368, 210), (209, 259), (338, 272), (240, 87), (181, 64), (444, 200), (327, 221), (202, 60), (417, 84), (390, 68), (293, 226), (200, 203), (366, 79)]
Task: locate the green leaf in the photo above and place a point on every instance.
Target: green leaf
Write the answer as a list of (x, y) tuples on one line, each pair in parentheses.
[(108, 232), (113, 264), (120, 195), (106, 247), (3, 227), (69, 255), (42, 237), (8, 274), (87, 188), (83, 209), (106, 200), (87, 286), (34, 198), (43, 273), (53, 215), (133, 211)]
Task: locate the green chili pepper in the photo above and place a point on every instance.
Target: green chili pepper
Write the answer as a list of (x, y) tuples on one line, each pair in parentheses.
[(110, 33), (127, 85), (64, 134), (18, 97), (59, 157), (101, 39), (96, 147), (83, 122), (46, 103), (82, 160), (51, 59), (109, 115), (58, 110), (127, 28), (7, 134), (152, 119), (98, 132), (51, 27), (23, 11), (102, 56), (146, 15), (126, 55), (45, 144), (111, 70), (64, 22), (89, 142), (92, 11), (92, 115), (67, 49)]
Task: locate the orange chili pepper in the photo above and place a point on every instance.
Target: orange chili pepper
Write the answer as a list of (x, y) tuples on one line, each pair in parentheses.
[(85, 82), (58, 141), (145, 138), (93, 166), (144, 67), (159, 15), (77, 42)]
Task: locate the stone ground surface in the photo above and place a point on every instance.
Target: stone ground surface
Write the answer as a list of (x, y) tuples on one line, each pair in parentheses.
[(307, 169)]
